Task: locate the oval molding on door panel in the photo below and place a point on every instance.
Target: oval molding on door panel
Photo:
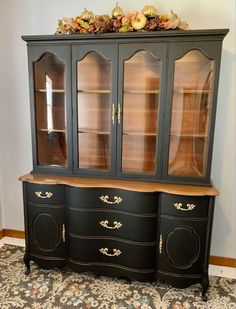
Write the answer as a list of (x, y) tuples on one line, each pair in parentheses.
[(182, 247), (45, 232)]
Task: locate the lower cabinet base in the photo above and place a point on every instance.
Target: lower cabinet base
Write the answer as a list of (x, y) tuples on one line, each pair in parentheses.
[(184, 281), (120, 230), (113, 270), (118, 271), (43, 262)]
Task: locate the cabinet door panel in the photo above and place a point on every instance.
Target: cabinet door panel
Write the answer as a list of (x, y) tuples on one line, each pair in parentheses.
[(47, 230), (142, 74), (182, 245), (191, 110), (95, 69), (50, 76)]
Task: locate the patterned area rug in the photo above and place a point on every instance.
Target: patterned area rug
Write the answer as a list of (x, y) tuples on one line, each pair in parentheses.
[(57, 289)]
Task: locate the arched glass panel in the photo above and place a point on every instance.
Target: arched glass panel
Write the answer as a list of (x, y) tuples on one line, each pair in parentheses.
[(94, 110), (50, 111), (191, 115), (140, 113)]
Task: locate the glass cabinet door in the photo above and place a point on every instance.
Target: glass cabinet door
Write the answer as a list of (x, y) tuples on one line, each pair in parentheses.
[(95, 106), (140, 125), (190, 117), (50, 110)]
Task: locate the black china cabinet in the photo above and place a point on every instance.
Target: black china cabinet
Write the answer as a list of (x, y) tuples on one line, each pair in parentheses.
[(122, 137)]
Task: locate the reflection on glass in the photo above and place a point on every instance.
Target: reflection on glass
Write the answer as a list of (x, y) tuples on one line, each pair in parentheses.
[(50, 111), (49, 103), (191, 111), (94, 110), (140, 113)]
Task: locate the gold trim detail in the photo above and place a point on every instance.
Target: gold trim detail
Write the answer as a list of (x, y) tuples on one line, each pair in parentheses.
[(47, 194), (116, 252), (160, 244), (118, 113), (63, 233), (189, 206), (117, 199), (116, 225)]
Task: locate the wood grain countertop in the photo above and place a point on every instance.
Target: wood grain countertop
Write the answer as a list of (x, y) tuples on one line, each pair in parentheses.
[(139, 186)]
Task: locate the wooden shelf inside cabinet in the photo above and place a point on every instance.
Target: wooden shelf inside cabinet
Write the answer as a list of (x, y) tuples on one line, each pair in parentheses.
[(43, 90), (52, 130), (96, 91), (183, 135), (193, 91), (94, 132), (140, 133), (141, 91)]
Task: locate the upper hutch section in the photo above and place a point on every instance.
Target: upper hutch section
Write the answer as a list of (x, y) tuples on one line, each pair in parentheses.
[(138, 106)]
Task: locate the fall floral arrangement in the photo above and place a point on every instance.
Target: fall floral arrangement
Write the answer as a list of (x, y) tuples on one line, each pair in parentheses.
[(149, 19)]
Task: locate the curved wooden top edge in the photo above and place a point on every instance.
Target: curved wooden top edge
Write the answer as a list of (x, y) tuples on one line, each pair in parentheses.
[(139, 186)]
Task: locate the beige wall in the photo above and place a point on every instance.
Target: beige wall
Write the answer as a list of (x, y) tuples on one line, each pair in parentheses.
[(40, 17)]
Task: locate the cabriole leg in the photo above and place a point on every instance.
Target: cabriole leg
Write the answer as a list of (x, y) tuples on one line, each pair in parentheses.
[(205, 286), (26, 260)]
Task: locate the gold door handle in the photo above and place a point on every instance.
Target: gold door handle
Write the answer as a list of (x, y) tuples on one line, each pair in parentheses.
[(119, 112), (160, 244), (117, 199), (113, 113), (116, 225), (47, 194), (179, 206), (116, 252), (63, 233)]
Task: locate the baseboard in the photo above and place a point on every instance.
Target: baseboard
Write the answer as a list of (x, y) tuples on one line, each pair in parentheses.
[(222, 261), (12, 233), (214, 260)]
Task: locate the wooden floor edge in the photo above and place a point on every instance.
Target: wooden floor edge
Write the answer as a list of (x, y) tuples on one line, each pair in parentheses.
[(214, 260)]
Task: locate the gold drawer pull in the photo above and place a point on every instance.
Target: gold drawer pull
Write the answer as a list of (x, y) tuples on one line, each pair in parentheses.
[(189, 206), (63, 233), (117, 199), (116, 225), (116, 252), (47, 194)]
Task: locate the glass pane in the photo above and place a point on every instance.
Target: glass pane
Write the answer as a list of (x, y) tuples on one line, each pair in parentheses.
[(191, 111), (94, 110), (50, 111), (140, 113), (139, 153)]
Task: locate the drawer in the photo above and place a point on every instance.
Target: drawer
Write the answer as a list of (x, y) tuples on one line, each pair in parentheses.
[(46, 194), (107, 198), (113, 224), (101, 250), (184, 206)]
